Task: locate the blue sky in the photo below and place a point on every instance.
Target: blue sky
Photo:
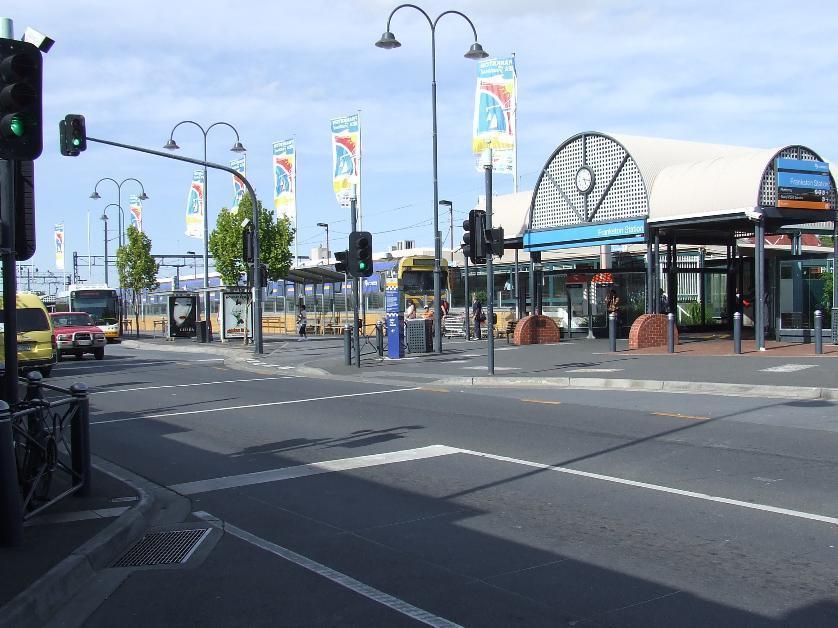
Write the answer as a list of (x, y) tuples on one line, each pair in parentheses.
[(750, 73)]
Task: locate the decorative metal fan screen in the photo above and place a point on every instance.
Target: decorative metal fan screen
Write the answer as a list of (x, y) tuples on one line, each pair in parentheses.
[(618, 193)]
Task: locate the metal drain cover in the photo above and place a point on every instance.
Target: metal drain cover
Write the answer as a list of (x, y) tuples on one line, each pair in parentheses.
[(163, 548)]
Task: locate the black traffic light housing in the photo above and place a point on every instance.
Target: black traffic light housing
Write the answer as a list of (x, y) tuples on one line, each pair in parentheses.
[(474, 236), (341, 261), (21, 90), (247, 244), (360, 254), (494, 241), (263, 275), (24, 188), (72, 132)]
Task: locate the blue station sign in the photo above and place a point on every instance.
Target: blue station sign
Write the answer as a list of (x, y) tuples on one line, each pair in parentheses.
[(595, 234), (803, 183)]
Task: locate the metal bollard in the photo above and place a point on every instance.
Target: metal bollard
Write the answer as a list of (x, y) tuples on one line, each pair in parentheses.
[(737, 333), (379, 338), (11, 504), (80, 439), (33, 386), (670, 332), (347, 345), (818, 332), (612, 332)]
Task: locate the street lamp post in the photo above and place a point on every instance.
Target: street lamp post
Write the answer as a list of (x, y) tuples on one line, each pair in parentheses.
[(104, 219), (389, 41), (325, 225), (143, 196), (236, 148), (194, 264)]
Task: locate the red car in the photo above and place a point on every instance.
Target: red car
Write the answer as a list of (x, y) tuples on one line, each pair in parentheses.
[(76, 334)]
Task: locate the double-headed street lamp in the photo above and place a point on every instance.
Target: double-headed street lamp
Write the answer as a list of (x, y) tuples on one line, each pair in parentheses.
[(143, 196), (236, 148), (104, 219), (325, 225), (389, 41)]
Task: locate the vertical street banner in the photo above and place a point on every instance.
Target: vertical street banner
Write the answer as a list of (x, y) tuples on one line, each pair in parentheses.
[(346, 156), (59, 246), (135, 210), (195, 206), (240, 166), (495, 103), (285, 180)]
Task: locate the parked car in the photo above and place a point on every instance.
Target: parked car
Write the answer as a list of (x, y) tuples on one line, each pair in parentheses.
[(36, 349), (77, 334)]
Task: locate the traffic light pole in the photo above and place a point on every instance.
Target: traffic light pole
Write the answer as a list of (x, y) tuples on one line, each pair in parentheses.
[(490, 276), (356, 283), (258, 346)]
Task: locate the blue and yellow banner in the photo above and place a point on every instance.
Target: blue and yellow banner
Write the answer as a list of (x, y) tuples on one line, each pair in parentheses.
[(346, 156), (285, 180), (240, 166), (195, 206), (59, 246), (495, 104), (135, 211)]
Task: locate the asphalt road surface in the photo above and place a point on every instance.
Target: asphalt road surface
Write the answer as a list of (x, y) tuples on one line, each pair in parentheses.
[(347, 503)]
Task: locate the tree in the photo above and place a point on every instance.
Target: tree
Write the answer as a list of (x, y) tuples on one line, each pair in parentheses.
[(275, 237), (137, 268)]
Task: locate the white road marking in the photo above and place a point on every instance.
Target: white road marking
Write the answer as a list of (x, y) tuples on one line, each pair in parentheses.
[(224, 381), (788, 368), (497, 368), (593, 370), (80, 515), (109, 365), (255, 405), (662, 489), (376, 595), (314, 468)]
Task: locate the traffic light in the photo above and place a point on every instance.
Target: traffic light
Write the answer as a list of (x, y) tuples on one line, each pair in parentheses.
[(263, 275), (24, 188), (360, 254), (494, 241), (73, 135), (21, 70), (474, 236), (341, 261), (247, 244)]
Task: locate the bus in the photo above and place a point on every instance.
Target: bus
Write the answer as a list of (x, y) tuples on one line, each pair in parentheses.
[(416, 277), (101, 302)]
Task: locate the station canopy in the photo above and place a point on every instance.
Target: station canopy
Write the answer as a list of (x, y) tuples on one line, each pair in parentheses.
[(314, 275)]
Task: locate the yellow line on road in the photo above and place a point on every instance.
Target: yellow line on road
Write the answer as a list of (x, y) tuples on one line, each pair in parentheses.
[(552, 403), (678, 415)]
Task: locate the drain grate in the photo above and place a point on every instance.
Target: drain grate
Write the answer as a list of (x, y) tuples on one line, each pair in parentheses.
[(163, 548)]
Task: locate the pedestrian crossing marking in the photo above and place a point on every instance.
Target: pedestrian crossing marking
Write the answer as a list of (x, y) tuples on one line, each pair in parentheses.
[(787, 368)]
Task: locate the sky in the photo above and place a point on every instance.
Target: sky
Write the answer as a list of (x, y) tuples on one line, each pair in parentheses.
[(751, 73)]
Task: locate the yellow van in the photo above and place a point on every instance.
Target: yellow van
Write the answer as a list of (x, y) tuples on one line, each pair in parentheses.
[(36, 348)]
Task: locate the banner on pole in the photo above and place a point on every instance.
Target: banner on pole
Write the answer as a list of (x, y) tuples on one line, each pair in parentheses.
[(495, 103), (135, 210), (346, 156), (285, 180), (59, 246), (240, 166), (195, 206)]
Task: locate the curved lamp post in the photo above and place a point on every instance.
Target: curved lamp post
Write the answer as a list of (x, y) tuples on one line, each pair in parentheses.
[(143, 196), (388, 41), (236, 148)]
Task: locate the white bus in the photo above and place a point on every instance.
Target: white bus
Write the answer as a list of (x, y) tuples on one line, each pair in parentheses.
[(100, 301)]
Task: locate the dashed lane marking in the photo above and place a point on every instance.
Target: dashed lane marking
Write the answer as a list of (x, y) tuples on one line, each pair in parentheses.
[(546, 401), (678, 415), (592, 370)]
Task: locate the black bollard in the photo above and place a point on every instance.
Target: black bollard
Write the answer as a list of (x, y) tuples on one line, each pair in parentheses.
[(379, 338), (11, 504), (818, 332), (670, 332), (347, 345), (612, 332), (33, 386), (80, 439), (737, 332)]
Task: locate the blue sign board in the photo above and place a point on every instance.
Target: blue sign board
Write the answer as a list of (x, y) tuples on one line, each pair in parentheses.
[(803, 184), (395, 336), (801, 180), (596, 234), (803, 165)]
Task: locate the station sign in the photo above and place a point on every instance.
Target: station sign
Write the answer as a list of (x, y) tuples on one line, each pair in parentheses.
[(591, 234), (803, 184)]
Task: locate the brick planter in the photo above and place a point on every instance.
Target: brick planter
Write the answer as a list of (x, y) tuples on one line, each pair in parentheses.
[(536, 330), (649, 330)]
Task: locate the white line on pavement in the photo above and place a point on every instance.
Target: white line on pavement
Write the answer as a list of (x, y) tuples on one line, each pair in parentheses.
[(394, 603), (110, 365), (788, 368), (593, 370), (656, 487), (497, 368), (313, 468), (224, 381), (255, 405)]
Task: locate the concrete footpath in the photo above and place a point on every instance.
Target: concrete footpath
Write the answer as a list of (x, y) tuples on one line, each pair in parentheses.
[(702, 365)]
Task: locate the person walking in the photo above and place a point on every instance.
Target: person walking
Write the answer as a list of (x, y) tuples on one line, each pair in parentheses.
[(302, 323), (477, 315)]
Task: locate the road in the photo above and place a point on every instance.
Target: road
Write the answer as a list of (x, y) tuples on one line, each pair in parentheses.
[(350, 503)]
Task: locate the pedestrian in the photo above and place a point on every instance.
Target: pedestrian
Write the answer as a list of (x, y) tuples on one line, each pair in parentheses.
[(612, 304), (410, 312), (444, 306), (302, 323), (428, 313), (478, 315)]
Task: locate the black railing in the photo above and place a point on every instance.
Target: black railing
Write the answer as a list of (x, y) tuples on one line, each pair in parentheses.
[(51, 466)]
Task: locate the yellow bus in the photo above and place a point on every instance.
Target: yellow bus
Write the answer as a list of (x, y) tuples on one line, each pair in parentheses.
[(416, 277)]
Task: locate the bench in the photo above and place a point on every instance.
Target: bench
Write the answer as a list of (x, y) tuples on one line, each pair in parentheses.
[(509, 331), (273, 324)]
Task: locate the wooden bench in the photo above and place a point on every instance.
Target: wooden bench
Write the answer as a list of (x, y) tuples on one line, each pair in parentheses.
[(509, 331), (274, 324)]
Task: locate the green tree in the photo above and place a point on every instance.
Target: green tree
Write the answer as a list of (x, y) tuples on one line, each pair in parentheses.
[(275, 237), (137, 268)]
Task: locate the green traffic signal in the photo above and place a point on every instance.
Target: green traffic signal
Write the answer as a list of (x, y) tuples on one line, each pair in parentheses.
[(362, 265), (76, 141), (16, 126)]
